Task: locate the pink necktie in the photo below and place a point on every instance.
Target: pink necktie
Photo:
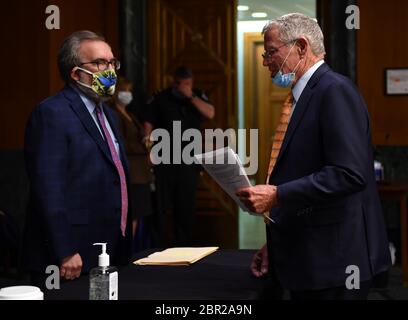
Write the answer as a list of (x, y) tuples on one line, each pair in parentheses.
[(119, 167)]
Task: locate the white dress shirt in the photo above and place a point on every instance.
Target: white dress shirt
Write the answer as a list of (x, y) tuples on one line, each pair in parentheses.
[(301, 84)]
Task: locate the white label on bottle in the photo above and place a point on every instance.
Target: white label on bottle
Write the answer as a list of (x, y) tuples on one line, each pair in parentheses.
[(113, 286)]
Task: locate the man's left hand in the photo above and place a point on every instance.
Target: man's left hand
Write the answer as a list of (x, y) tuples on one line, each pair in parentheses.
[(260, 198)]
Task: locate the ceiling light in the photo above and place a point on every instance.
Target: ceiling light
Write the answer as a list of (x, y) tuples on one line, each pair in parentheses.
[(259, 15), (242, 8)]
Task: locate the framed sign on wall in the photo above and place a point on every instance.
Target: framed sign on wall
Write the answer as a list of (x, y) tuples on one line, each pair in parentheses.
[(396, 81)]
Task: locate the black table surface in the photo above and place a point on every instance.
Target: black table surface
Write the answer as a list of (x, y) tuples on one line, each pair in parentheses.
[(223, 275)]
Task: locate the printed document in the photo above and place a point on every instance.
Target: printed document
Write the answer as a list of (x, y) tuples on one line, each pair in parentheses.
[(225, 167)]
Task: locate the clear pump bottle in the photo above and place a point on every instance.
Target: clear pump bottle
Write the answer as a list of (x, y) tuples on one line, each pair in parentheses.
[(103, 280)]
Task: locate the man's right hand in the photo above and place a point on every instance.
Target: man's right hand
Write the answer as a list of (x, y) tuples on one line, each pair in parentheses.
[(185, 90), (259, 265), (71, 267)]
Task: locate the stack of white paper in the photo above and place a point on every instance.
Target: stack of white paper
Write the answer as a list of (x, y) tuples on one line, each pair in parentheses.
[(225, 167)]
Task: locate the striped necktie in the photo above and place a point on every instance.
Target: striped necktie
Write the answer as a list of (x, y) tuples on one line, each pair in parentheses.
[(279, 136), (280, 132), (119, 167)]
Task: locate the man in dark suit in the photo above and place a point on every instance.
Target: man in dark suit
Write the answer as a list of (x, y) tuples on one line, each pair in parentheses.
[(324, 219), (77, 167)]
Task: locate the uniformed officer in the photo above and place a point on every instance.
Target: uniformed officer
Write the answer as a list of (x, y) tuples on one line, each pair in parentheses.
[(177, 182)]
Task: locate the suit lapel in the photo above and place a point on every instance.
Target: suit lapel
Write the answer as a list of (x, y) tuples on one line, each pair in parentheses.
[(301, 107), (79, 108)]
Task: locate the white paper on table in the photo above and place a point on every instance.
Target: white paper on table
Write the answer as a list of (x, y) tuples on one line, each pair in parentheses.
[(225, 167)]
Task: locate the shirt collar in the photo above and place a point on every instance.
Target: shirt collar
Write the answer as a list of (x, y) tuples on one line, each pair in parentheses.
[(89, 103), (301, 84)]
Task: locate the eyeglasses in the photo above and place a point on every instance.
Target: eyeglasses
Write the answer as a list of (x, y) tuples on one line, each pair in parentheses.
[(102, 64), (269, 53)]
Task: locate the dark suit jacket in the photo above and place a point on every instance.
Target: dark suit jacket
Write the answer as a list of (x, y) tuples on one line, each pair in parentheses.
[(75, 190), (330, 215)]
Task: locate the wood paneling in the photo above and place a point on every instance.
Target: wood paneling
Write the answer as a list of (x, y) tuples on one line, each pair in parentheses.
[(201, 35), (29, 54), (24, 57), (382, 43)]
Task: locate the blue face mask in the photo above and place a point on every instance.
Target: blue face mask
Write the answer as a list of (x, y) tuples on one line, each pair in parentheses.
[(285, 80)]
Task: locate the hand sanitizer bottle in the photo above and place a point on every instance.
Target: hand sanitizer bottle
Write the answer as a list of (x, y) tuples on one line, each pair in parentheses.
[(103, 280)]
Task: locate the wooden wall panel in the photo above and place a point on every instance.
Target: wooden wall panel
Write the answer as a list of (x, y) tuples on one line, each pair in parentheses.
[(201, 35), (382, 43), (29, 54), (24, 59)]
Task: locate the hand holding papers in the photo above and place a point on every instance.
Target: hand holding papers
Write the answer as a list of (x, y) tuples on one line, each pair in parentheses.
[(224, 166), (260, 198), (176, 256)]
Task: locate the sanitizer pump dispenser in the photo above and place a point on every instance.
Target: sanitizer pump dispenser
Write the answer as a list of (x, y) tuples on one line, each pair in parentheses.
[(103, 280)]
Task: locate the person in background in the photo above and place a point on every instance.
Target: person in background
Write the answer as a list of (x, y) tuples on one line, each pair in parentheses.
[(138, 158), (177, 182)]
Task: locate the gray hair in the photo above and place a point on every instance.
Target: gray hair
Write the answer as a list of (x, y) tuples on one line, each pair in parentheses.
[(68, 54), (294, 25)]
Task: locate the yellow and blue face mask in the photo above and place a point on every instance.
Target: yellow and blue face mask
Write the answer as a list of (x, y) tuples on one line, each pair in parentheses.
[(103, 82)]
